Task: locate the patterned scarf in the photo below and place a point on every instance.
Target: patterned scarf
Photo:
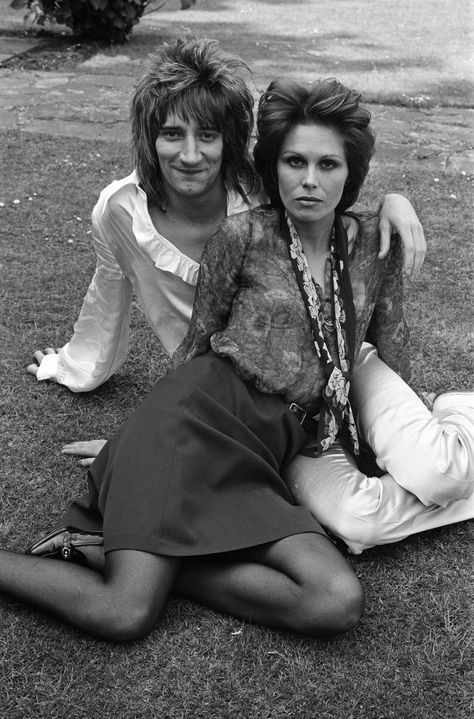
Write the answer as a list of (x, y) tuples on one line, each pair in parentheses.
[(336, 412)]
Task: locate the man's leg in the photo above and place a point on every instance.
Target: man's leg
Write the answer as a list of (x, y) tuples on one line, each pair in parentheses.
[(429, 454), (300, 584), (432, 457), (364, 511), (123, 604)]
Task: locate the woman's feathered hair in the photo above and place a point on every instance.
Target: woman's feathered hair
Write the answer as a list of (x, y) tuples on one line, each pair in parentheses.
[(287, 103)]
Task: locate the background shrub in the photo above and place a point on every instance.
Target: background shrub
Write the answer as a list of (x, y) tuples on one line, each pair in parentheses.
[(105, 20)]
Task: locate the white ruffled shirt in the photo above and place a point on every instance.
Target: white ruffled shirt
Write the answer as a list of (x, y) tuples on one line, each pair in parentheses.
[(132, 258)]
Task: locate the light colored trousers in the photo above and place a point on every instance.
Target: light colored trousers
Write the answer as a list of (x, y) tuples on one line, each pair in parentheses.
[(428, 458)]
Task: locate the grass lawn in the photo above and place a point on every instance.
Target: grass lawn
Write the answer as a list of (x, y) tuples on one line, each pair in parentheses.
[(409, 658)]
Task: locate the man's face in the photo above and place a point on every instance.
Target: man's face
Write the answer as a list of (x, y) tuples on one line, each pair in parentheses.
[(190, 157)]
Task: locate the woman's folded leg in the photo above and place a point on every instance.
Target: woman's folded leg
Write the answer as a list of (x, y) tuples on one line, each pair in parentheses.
[(301, 583)]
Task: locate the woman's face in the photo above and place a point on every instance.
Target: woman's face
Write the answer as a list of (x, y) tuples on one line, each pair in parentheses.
[(190, 157), (312, 171)]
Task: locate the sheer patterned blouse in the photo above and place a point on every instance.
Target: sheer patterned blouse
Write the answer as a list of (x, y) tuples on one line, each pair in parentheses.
[(132, 258), (248, 306)]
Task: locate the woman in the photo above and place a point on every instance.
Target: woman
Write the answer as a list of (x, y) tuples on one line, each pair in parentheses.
[(226, 532), (426, 458)]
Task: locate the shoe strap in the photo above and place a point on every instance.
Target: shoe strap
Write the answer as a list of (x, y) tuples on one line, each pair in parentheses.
[(82, 540)]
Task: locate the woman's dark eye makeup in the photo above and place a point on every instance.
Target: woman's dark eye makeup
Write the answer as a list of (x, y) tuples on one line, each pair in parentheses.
[(294, 160), (298, 161)]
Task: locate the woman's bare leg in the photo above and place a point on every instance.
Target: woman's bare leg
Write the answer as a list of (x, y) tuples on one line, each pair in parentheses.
[(301, 584), (123, 604)]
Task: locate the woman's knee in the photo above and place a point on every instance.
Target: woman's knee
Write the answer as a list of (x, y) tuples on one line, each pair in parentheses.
[(129, 624), (114, 618), (333, 608), (137, 585), (328, 598), (347, 603)]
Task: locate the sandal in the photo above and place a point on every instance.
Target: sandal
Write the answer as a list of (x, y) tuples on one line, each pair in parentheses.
[(63, 544)]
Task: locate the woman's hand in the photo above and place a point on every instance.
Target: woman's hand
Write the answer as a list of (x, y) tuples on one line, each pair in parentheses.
[(38, 358), (398, 215), (89, 449)]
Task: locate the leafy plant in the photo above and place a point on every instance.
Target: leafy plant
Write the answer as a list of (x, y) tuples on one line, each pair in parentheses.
[(106, 20)]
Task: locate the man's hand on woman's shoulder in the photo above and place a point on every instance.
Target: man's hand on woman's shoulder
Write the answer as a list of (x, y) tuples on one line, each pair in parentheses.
[(397, 215)]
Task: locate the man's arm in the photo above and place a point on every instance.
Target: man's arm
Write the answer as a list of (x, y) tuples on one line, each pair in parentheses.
[(99, 344), (397, 215)]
